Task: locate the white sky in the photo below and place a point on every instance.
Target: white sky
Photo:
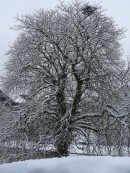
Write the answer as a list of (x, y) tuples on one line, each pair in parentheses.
[(119, 10)]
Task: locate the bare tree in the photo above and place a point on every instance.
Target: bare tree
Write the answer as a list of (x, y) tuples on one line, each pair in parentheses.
[(68, 63)]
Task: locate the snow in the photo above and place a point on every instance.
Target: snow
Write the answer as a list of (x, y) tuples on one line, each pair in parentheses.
[(70, 164)]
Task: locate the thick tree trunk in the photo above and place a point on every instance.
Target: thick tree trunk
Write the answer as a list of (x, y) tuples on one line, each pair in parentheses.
[(63, 137), (62, 147)]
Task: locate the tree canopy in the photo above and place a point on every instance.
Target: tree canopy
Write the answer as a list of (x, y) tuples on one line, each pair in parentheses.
[(67, 64)]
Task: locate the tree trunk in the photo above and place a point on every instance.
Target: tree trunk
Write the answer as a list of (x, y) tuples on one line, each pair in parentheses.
[(62, 147), (63, 137)]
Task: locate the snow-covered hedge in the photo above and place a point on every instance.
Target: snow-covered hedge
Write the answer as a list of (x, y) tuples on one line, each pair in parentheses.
[(70, 165)]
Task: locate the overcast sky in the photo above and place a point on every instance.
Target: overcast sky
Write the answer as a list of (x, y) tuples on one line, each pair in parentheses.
[(9, 9)]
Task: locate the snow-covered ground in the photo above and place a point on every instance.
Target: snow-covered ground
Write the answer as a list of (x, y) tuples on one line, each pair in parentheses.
[(70, 165)]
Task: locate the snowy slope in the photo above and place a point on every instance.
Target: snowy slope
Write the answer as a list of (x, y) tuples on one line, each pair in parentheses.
[(70, 165)]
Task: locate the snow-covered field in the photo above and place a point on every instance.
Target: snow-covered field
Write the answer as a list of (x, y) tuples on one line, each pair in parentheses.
[(70, 165)]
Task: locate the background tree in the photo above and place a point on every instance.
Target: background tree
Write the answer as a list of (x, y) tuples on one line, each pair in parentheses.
[(68, 63)]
